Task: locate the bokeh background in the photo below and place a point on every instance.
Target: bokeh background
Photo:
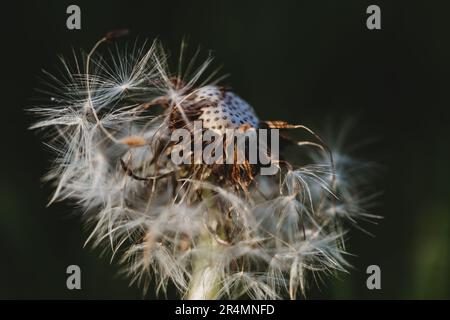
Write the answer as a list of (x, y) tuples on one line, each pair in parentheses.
[(312, 62)]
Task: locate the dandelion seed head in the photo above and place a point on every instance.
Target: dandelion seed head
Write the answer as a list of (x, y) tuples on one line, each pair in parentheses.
[(109, 118)]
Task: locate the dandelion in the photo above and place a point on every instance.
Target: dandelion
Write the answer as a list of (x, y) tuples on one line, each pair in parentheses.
[(219, 230)]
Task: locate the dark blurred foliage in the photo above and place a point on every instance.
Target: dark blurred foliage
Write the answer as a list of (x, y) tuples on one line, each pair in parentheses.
[(309, 62)]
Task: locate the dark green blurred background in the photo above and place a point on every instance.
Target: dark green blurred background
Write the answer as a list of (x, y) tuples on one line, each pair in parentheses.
[(301, 61)]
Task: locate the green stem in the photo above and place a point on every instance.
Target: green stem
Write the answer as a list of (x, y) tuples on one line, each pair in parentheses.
[(205, 276), (204, 282)]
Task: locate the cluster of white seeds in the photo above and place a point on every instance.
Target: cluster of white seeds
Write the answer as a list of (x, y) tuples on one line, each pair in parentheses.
[(210, 230)]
